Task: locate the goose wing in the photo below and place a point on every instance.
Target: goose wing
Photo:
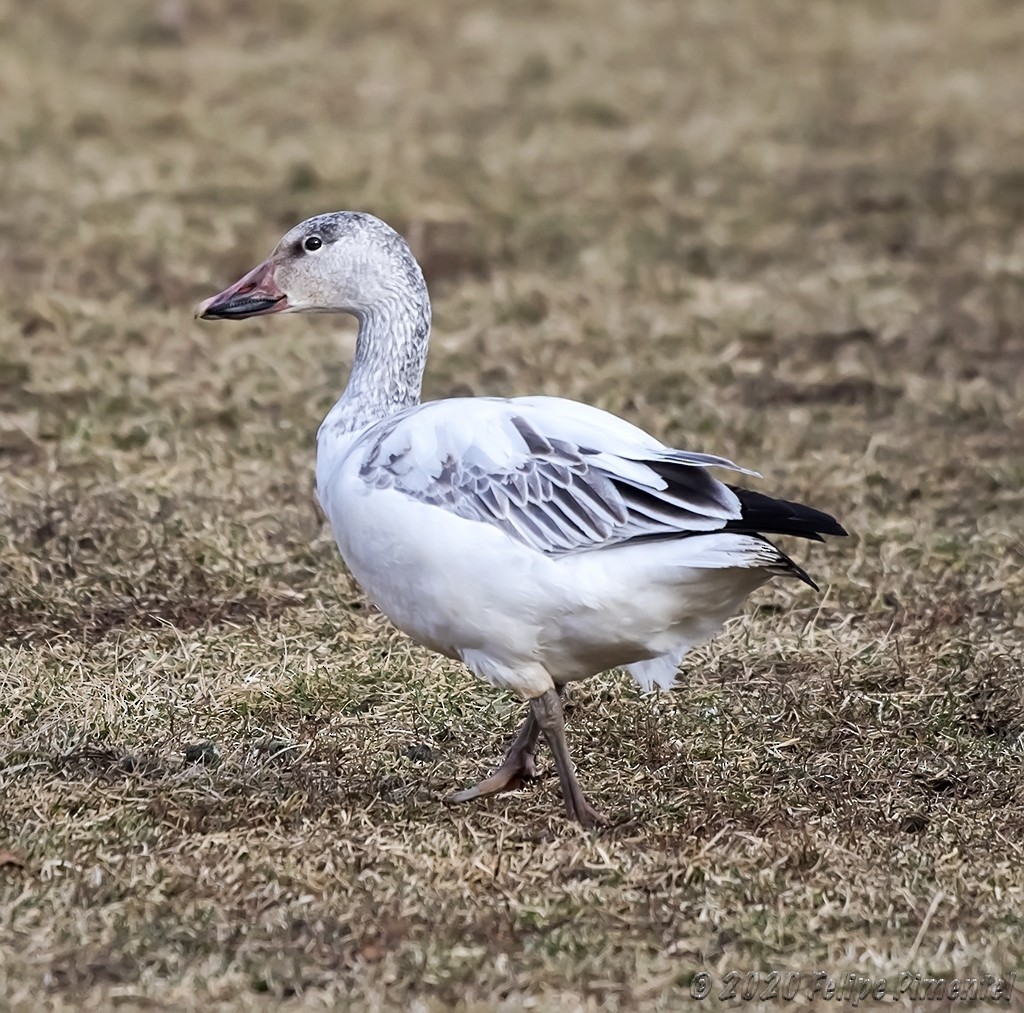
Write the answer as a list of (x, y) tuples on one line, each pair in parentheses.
[(556, 475)]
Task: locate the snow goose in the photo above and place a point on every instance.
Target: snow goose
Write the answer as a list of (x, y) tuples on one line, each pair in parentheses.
[(539, 540)]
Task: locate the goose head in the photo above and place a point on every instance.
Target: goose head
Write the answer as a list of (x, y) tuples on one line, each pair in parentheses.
[(343, 262)]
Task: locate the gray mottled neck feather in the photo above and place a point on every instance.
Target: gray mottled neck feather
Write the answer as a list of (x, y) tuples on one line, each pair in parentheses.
[(391, 353)]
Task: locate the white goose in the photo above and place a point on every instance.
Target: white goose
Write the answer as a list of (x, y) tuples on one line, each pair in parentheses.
[(539, 540)]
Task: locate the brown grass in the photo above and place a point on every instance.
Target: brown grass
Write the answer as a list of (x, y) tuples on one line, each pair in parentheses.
[(789, 233)]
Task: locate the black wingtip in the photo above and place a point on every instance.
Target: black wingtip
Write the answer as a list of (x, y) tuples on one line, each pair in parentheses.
[(790, 568), (805, 577), (764, 514)]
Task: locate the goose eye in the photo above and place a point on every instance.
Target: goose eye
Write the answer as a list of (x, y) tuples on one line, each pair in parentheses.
[(312, 243)]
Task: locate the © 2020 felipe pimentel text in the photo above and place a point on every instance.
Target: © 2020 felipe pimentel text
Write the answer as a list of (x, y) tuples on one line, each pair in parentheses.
[(850, 987)]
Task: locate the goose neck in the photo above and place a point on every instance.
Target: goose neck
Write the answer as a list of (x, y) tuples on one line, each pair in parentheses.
[(387, 372)]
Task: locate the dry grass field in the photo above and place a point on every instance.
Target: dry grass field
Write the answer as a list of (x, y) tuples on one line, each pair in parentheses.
[(790, 233)]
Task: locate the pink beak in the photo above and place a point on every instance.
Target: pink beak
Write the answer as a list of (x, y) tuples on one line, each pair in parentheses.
[(251, 296)]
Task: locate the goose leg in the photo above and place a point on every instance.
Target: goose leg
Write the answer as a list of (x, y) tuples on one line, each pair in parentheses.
[(518, 766), (547, 710)]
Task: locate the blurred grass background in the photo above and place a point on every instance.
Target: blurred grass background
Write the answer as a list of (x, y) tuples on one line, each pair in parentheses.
[(789, 233)]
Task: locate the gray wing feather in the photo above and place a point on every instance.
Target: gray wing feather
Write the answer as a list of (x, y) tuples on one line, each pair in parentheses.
[(560, 498)]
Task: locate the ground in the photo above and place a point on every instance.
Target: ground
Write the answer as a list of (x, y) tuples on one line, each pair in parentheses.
[(788, 233)]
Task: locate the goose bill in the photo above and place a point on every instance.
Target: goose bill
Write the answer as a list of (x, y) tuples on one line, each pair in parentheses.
[(251, 296)]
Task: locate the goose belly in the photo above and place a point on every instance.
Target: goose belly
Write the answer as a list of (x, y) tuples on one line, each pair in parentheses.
[(453, 585), (519, 619)]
